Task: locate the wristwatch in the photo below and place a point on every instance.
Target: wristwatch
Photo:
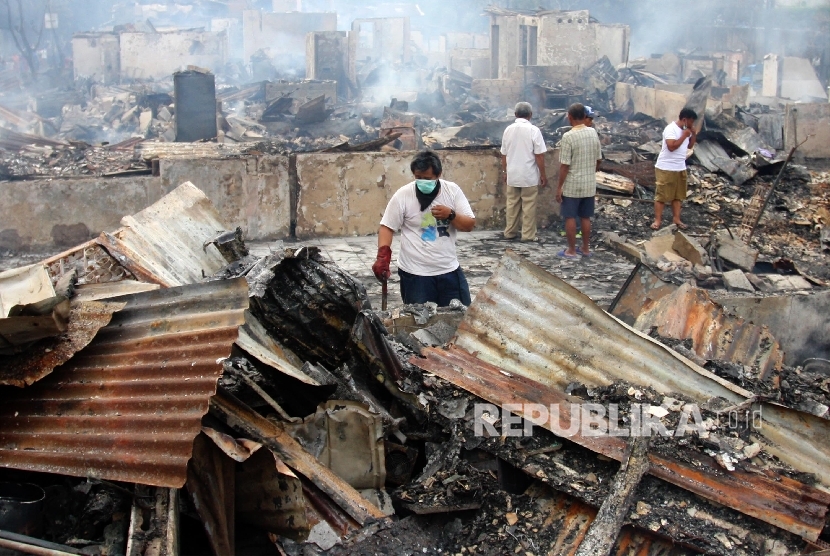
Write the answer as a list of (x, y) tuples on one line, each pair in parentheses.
[(451, 217)]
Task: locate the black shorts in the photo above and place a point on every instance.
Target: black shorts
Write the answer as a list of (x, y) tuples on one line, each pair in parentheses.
[(577, 207)]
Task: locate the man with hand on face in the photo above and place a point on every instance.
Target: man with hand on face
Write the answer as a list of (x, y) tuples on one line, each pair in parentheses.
[(670, 168), (429, 212)]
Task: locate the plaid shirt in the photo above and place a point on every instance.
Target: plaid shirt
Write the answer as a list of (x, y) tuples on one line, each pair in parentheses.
[(580, 149)]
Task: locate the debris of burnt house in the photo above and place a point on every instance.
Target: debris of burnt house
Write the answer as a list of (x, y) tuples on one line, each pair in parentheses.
[(202, 374)]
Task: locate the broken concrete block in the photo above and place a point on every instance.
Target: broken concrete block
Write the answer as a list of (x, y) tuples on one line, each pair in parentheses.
[(668, 230), (779, 282), (656, 246), (164, 114), (622, 247), (144, 121), (674, 258), (737, 281), (736, 253), (690, 249)]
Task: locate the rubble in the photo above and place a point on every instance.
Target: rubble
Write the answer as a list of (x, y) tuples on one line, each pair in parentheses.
[(172, 390)]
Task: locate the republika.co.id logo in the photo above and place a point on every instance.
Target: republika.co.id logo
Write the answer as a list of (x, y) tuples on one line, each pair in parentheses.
[(592, 419)]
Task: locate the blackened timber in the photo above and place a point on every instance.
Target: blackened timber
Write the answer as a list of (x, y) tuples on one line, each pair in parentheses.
[(611, 517), (248, 422)]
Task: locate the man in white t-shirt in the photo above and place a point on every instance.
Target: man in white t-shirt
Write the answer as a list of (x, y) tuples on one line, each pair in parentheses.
[(670, 169), (428, 212), (523, 161)]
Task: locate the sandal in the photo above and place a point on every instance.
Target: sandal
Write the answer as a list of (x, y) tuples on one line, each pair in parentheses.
[(565, 255), (588, 254)]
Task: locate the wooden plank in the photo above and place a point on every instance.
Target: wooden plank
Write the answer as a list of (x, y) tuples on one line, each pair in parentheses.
[(613, 513), (243, 419)]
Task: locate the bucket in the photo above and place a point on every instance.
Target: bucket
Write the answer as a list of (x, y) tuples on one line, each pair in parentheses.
[(21, 507)]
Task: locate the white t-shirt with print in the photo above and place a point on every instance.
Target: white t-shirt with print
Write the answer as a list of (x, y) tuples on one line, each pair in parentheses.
[(673, 161), (427, 244)]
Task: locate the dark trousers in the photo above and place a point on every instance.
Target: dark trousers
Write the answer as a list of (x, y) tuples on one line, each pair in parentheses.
[(439, 289)]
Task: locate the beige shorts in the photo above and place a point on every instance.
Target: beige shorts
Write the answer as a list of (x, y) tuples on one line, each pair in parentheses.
[(671, 186)]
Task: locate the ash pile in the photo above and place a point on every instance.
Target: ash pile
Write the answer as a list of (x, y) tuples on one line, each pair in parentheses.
[(167, 392)]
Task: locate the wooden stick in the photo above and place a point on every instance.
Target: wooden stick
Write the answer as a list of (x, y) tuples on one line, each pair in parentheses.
[(606, 527)]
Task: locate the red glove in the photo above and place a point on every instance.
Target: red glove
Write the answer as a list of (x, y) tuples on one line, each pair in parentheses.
[(381, 266)]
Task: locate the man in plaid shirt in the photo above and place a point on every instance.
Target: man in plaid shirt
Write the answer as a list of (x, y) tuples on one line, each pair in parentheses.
[(579, 157)]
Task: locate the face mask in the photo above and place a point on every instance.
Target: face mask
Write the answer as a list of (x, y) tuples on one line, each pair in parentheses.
[(426, 186)]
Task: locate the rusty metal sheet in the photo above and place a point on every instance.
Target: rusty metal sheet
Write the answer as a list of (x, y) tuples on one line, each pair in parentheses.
[(689, 313), (165, 243), (783, 502), (643, 286), (683, 312), (531, 324), (85, 319), (569, 520), (128, 406)]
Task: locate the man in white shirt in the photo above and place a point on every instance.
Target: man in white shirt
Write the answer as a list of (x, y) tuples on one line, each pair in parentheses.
[(523, 161), (428, 212), (670, 169)]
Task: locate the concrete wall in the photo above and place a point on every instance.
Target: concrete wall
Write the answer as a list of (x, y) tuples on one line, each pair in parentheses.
[(799, 80), (159, 55), (613, 41), (35, 211), (653, 102), (474, 62), (282, 34), (337, 194), (97, 56), (251, 192), (382, 38), (346, 194), (803, 120), (567, 39), (563, 39), (467, 40), (326, 57), (506, 47), (504, 92)]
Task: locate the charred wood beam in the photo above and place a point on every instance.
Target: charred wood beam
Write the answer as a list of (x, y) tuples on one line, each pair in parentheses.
[(773, 498), (612, 514), (246, 421)]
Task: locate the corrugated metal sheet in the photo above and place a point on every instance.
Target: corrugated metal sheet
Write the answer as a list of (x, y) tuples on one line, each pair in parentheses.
[(775, 499), (165, 243), (689, 313), (570, 520), (643, 286), (129, 405), (85, 319), (531, 324)]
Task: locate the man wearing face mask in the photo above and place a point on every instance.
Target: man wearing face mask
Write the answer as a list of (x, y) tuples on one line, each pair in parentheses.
[(428, 212)]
